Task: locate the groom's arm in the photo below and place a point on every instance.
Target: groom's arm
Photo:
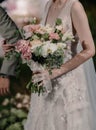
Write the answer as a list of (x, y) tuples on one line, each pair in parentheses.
[(8, 30)]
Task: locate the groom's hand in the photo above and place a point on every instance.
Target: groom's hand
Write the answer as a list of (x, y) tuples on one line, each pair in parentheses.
[(4, 85), (7, 47)]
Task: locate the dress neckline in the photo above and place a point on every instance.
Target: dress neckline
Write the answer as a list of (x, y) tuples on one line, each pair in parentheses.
[(50, 2)]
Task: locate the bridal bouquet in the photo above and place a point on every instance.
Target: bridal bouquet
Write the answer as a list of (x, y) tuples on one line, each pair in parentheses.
[(43, 47)]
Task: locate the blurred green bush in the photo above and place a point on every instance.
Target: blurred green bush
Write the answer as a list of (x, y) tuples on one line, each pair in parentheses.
[(91, 12), (13, 112)]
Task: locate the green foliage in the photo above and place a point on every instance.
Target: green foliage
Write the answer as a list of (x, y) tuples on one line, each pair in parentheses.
[(92, 22), (38, 51), (34, 88), (12, 119), (15, 126), (34, 21), (58, 21), (55, 60), (3, 123), (11, 54), (45, 36), (20, 114), (5, 112), (91, 12)]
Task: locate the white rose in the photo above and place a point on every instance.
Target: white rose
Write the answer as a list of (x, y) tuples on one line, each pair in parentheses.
[(48, 48), (53, 47), (45, 50)]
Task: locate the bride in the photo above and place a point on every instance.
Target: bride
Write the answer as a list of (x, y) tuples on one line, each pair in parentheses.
[(69, 106)]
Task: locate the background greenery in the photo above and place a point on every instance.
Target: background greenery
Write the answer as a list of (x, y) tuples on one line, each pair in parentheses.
[(90, 8)]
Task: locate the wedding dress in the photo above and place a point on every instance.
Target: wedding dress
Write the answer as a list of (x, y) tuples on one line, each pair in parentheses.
[(68, 106)]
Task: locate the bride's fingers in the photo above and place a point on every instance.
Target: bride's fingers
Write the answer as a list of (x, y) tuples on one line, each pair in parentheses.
[(37, 78), (37, 72), (39, 75), (44, 75), (40, 84)]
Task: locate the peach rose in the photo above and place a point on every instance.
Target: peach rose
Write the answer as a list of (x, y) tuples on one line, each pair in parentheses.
[(54, 36)]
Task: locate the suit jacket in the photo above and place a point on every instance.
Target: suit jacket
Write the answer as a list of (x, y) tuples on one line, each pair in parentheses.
[(8, 31)]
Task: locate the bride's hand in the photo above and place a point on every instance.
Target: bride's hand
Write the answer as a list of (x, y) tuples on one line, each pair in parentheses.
[(40, 76), (7, 47)]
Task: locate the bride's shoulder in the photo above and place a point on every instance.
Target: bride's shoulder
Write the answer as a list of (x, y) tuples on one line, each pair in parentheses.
[(77, 8)]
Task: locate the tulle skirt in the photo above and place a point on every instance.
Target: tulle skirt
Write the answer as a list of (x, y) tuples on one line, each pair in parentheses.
[(67, 107), (71, 105)]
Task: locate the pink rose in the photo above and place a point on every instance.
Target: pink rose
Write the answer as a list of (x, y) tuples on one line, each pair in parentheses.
[(31, 28), (35, 27), (40, 31), (23, 46), (54, 36)]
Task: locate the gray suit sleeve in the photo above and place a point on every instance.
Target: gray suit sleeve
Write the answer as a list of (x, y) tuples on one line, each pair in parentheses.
[(8, 30)]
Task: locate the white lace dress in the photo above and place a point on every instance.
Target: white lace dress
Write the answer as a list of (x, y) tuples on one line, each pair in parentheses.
[(67, 107)]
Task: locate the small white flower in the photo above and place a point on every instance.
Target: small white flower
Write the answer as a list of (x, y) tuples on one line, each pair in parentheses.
[(49, 29), (18, 96), (27, 97), (44, 50), (25, 101), (35, 18), (12, 100), (59, 27), (67, 35), (19, 105), (61, 45), (5, 102)]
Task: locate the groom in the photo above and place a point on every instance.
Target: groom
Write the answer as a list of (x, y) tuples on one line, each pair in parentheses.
[(8, 31)]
